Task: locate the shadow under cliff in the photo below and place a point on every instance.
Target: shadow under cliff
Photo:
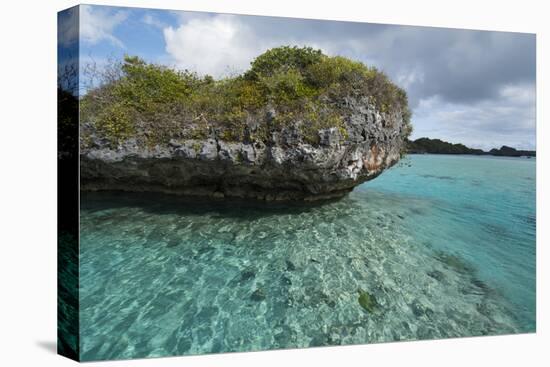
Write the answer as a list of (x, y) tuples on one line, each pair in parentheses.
[(159, 203)]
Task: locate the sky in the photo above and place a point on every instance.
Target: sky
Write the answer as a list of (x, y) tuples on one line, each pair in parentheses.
[(464, 86)]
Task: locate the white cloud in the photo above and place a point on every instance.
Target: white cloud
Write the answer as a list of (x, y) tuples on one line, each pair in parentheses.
[(525, 94), (222, 45), (464, 86), (509, 119), (97, 24), (218, 45), (153, 21), (407, 78)]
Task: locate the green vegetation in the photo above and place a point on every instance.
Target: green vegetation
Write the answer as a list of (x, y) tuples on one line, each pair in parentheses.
[(367, 301), (437, 146), (300, 86), (506, 151)]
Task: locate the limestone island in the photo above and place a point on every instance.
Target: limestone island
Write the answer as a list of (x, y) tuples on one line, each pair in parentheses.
[(298, 125)]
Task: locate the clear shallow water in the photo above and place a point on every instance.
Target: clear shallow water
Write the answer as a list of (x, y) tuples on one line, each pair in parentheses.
[(444, 245)]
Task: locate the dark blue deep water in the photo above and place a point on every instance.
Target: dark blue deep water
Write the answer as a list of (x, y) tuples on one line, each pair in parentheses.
[(442, 246)]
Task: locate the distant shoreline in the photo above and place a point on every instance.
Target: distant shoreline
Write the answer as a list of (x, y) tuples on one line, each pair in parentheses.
[(438, 146), (475, 155)]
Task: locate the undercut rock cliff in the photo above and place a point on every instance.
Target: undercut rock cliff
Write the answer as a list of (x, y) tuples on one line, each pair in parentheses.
[(286, 168)]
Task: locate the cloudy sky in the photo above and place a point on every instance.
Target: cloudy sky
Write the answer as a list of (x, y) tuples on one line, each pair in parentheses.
[(474, 87)]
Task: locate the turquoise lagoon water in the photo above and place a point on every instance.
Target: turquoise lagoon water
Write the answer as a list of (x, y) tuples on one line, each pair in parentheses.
[(443, 246)]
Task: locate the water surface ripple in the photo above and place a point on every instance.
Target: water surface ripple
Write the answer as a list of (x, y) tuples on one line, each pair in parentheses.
[(441, 246)]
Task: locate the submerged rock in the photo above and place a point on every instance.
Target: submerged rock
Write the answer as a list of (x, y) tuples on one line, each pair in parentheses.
[(290, 265), (455, 262), (247, 275), (436, 274), (258, 295)]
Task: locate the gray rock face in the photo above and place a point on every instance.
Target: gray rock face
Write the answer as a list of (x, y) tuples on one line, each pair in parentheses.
[(284, 168)]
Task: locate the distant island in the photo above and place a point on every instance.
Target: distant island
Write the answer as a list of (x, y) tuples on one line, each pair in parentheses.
[(438, 146)]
